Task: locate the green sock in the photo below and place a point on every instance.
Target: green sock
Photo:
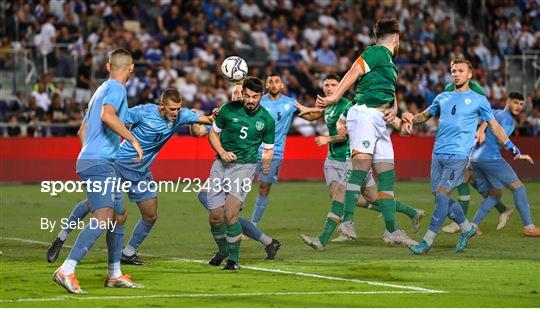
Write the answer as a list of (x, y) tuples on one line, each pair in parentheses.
[(464, 197), (405, 209), (234, 237), (374, 207), (332, 220), (501, 207), (353, 193), (385, 188), (218, 233)]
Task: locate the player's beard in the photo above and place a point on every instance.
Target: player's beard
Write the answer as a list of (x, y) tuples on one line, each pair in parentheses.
[(396, 51), (251, 107)]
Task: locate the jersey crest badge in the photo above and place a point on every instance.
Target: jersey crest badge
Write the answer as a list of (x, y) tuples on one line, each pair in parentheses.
[(259, 125)]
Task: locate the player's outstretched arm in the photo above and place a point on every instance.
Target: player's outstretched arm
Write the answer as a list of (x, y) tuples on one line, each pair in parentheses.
[(109, 118), (197, 130), (205, 119), (346, 82), (266, 159), (418, 118), (225, 155), (309, 113), (325, 140), (82, 131), (503, 138)]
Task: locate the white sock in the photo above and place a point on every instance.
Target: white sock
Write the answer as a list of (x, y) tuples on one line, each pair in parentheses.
[(265, 239), (465, 226), (530, 226), (62, 235), (68, 267), (114, 270), (129, 250), (429, 237)]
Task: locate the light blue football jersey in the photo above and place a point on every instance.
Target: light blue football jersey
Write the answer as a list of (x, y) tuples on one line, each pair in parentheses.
[(100, 142), (490, 149), (282, 110), (152, 131), (458, 113)]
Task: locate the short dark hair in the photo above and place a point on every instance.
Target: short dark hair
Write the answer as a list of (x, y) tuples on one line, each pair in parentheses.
[(515, 96), (384, 27), (462, 60), (170, 94), (253, 83), (333, 76), (273, 74)]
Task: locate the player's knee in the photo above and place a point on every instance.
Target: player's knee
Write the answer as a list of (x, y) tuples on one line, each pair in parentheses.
[(515, 185), (231, 217), (150, 219), (496, 193), (120, 218), (361, 161), (361, 202), (216, 217), (264, 189)]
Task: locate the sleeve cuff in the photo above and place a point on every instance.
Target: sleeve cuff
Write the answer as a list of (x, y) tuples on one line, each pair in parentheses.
[(216, 128), (267, 146)]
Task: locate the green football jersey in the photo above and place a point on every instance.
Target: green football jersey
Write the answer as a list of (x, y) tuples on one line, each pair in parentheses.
[(242, 133), (378, 85), (474, 85), (337, 151)]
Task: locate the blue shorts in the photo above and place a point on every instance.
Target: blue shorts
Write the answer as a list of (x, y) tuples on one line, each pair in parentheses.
[(142, 186), (102, 193), (493, 174), (272, 176), (447, 171)]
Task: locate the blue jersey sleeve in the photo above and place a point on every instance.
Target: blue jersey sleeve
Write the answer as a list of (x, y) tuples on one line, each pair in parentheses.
[(135, 114), (484, 110), (188, 117), (115, 97), (434, 109)]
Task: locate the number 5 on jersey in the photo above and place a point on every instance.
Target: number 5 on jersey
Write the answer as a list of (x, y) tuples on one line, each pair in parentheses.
[(243, 132)]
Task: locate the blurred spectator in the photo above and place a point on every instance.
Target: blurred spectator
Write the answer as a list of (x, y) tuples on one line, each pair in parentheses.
[(41, 97), (84, 81)]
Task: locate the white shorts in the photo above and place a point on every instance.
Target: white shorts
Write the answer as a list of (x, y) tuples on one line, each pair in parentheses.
[(368, 134)]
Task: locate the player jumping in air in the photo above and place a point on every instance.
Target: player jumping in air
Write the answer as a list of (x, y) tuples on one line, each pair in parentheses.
[(373, 107), (458, 113), (153, 125), (237, 133), (337, 166), (102, 128), (492, 173)]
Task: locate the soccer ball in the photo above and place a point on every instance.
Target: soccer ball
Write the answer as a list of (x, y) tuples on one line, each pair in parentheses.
[(234, 69)]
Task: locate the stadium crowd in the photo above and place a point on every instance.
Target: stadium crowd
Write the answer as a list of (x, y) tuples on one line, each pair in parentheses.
[(181, 44)]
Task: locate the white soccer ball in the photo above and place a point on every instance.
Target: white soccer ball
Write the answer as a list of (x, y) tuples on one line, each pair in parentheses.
[(234, 69)]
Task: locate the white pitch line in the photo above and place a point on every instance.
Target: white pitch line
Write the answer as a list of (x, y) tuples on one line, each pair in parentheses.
[(67, 297), (272, 270)]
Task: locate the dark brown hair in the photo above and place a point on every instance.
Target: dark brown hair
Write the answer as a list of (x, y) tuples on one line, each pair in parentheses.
[(385, 27)]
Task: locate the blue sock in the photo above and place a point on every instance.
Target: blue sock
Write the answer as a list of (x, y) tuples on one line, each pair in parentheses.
[(442, 203), (260, 207), (484, 209), (520, 199), (456, 213), (141, 230), (115, 241), (202, 196), (78, 213), (84, 242), (249, 229)]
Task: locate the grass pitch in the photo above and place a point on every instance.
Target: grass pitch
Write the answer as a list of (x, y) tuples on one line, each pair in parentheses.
[(499, 269)]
